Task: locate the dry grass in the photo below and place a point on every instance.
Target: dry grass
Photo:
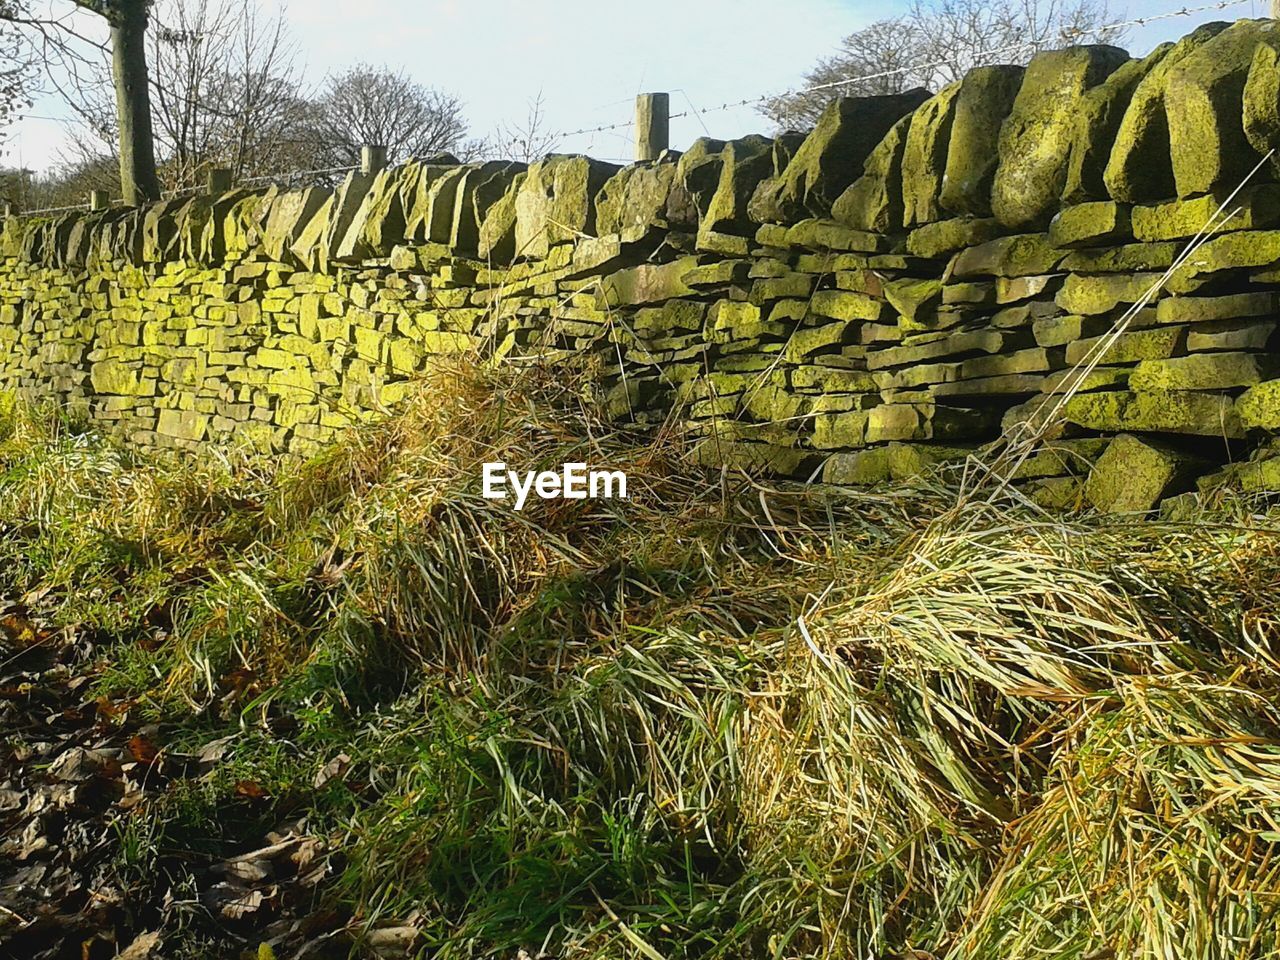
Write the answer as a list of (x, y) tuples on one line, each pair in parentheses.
[(716, 720)]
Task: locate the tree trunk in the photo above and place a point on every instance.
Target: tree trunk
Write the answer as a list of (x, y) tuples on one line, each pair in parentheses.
[(133, 102)]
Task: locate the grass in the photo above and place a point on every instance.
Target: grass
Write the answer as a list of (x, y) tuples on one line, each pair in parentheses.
[(715, 720)]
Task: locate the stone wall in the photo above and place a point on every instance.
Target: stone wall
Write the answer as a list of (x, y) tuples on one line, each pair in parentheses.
[(898, 285)]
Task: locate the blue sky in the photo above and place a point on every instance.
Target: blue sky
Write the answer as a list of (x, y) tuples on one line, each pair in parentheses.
[(588, 58)]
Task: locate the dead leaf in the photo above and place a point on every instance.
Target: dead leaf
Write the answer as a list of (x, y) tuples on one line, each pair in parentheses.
[(332, 770), (79, 764), (237, 904), (215, 750), (143, 750), (309, 850), (18, 630), (392, 941), (251, 789), (246, 871), (143, 947)]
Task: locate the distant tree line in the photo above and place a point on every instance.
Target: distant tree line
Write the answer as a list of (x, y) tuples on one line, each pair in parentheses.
[(936, 42), (224, 89)]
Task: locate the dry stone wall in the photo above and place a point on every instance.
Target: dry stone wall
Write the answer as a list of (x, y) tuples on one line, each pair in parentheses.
[(899, 285)]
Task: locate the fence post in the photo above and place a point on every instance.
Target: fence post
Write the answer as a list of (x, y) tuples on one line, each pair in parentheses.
[(99, 200), (10, 209), (218, 181), (372, 158), (653, 124), (1275, 9)]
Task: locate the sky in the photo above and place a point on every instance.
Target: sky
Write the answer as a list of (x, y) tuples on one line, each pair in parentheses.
[(586, 58)]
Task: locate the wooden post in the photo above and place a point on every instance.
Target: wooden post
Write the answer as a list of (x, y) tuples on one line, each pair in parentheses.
[(1275, 9), (218, 181), (653, 124), (99, 200), (10, 209), (372, 158)]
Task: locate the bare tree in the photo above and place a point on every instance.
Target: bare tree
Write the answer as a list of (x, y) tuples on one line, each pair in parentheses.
[(15, 68), (527, 141), (68, 50), (225, 93), (938, 41), (376, 105)]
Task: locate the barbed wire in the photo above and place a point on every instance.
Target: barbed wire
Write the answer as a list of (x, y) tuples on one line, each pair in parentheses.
[(292, 174), (1071, 36), (32, 213)]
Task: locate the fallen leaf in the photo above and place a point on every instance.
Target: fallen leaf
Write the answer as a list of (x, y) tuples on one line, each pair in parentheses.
[(237, 904), (78, 764), (143, 947), (18, 630), (392, 941), (246, 871), (251, 789), (215, 750), (142, 749), (332, 770)]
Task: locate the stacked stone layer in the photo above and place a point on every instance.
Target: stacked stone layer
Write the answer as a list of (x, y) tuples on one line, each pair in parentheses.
[(899, 285)]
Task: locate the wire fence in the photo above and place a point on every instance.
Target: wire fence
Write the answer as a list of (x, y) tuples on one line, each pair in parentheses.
[(293, 177), (1033, 45)]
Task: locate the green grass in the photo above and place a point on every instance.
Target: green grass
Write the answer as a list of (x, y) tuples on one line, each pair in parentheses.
[(715, 720)]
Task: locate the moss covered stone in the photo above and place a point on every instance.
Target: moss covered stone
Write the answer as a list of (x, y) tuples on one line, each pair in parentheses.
[(821, 234), (1090, 224), (114, 376), (182, 424), (1096, 126), (808, 341), (1258, 335), (1254, 207), (696, 178), (744, 164), (1035, 139), (1139, 168), (633, 202), (1203, 103), (1202, 414), (947, 236), (832, 156), (985, 98), (1260, 114), (861, 469), (915, 300), (1209, 371), (555, 203), (846, 305), (833, 431), (647, 283), (1259, 406), (1125, 258), (924, 157), (1017, 256), (496, 241), (1133, 475), (1196, 309), (480, 188), (1090, 295), (1248, 248), (874, 200), (1156, 343)]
